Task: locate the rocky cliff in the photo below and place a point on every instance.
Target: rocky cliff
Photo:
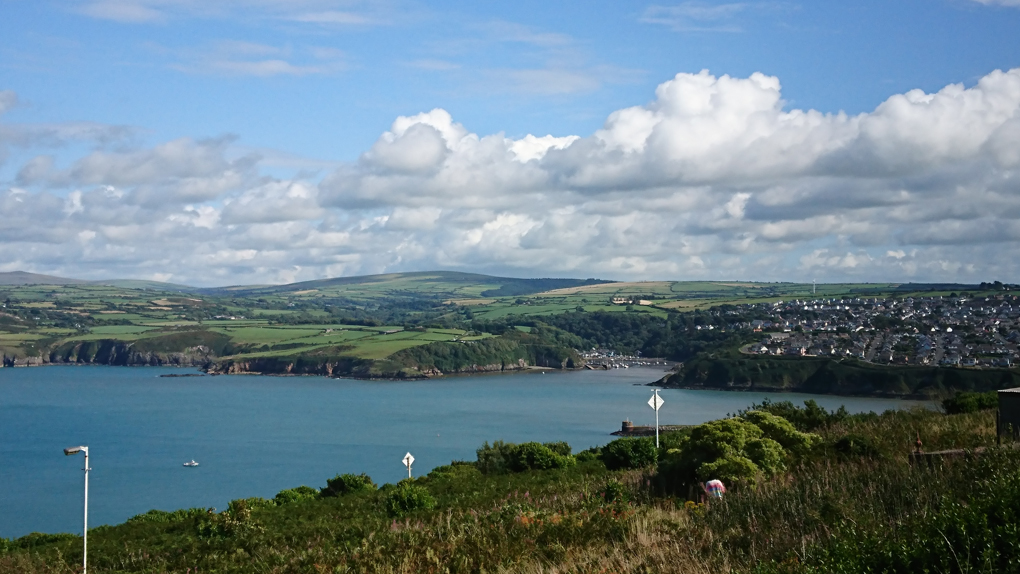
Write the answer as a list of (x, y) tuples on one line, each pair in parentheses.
[(112, 352), (186, 348)]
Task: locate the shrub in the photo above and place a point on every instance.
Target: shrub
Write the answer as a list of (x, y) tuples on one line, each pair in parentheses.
[(560, 447), (856, 446), (674, 439), (35, 539), (456, 469), (408, 498), (236, 520), (242, 505), (504, 457), (342, 484), (970, 402), (731, 469), (805, 419), (716, 439), (782, 431), (535, 456), (614, 492), (164, 517), (767, 454), (586, 456), (629, 453), (729, 450), (296, 495), (493, 459)]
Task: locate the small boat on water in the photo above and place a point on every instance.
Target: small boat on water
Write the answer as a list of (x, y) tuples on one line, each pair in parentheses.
[(191, 463)]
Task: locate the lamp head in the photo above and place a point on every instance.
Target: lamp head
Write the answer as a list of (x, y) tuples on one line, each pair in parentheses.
[(75, 450)]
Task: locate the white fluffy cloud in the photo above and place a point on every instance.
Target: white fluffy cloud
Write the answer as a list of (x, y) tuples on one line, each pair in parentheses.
[(715, 177)]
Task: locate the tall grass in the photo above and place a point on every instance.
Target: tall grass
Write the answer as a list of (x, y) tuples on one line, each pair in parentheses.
[(895, 432)]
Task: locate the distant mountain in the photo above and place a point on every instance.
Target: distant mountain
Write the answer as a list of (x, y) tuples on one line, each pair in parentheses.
[(24, 278)]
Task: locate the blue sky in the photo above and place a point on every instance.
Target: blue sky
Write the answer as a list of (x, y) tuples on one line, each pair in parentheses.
[(158, 72), (285, 106)]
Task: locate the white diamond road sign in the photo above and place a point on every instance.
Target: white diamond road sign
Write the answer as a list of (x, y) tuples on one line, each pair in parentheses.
[(408, 459), (655, 402)]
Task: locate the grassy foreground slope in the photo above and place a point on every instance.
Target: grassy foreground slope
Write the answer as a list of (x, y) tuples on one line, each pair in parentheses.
[(846, 500)]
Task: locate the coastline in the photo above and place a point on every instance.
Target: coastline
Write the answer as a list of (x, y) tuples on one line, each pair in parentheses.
[(205, 371), (529, 369)]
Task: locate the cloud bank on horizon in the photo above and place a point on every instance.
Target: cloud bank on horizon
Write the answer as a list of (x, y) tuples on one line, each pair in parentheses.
[(715, 177)]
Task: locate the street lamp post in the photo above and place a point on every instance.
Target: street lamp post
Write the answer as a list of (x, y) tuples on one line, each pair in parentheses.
[(85, 528)]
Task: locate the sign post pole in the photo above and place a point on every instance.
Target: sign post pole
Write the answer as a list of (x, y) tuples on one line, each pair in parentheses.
[(656, 403), (408, 459)]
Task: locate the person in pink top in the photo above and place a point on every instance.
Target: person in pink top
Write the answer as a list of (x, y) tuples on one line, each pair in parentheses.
[(714, 488)]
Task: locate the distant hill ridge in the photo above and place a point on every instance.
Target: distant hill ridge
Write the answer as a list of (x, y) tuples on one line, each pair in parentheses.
[(25, 278), (502, 286)]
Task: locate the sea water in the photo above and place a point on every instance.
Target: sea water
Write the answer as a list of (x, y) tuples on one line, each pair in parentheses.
[(257, 435)]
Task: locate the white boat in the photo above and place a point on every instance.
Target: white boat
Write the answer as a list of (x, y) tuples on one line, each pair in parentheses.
[(191, 463)]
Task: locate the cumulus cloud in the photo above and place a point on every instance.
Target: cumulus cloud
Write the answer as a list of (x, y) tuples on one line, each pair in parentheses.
[(182, 170), (715, 177), (416, 144), (530, 147), (28, 137), (272, 202)]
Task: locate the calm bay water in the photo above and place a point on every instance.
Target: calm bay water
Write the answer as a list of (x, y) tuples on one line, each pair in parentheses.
[(255, 436)]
